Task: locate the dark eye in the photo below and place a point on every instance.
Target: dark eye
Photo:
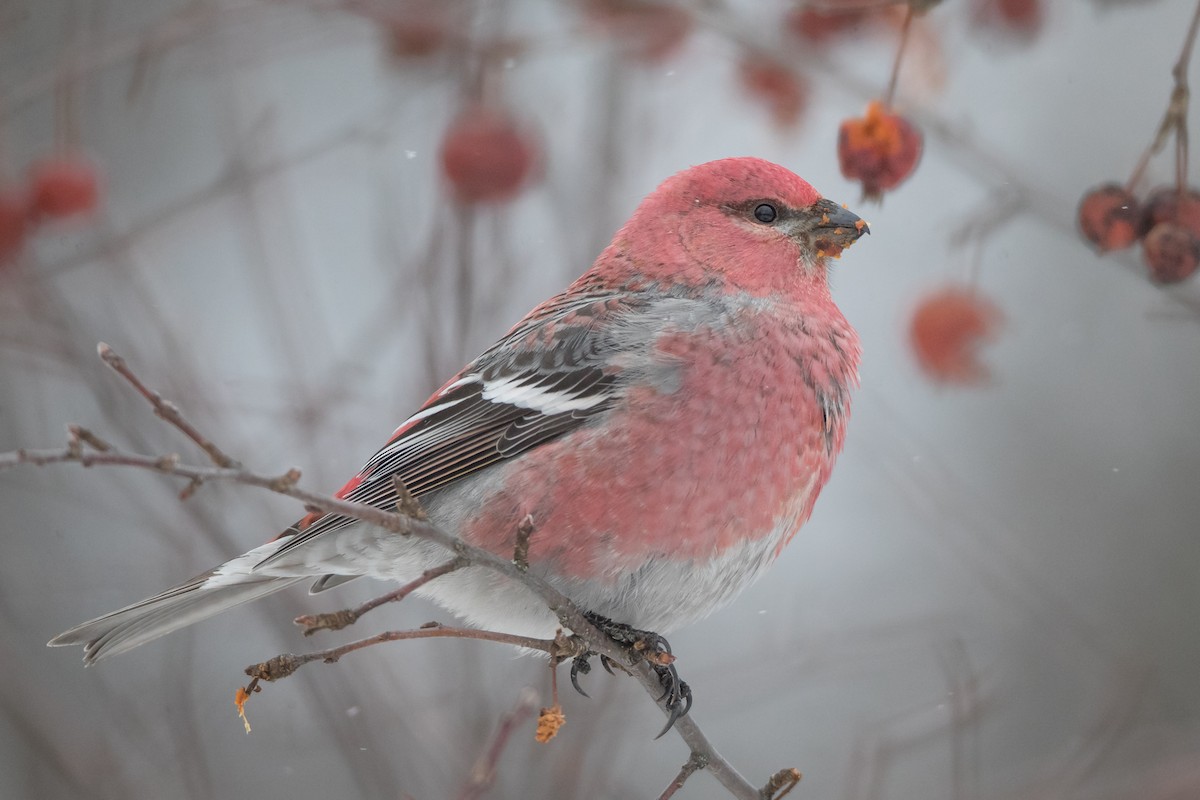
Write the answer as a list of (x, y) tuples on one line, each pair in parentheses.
[(765, 213)]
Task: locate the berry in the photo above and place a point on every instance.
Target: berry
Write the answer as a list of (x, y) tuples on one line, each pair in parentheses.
[(1021, 18), (1171, 251), (13, 224), (881, 150), (415, 38), (783, 91), (486, 156), (1163, 205), (1110, 217), (63, 186), (819, 26), (946, 331), (648, 31)]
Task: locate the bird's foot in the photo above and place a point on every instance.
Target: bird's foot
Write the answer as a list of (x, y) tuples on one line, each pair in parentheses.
[(676, 696)]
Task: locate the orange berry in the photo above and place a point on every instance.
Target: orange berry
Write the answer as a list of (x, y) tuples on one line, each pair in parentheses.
[(1171, 251), (946, 331), (1110, 217), (784, 92), (63, 186), (881, 150), (486, 156)]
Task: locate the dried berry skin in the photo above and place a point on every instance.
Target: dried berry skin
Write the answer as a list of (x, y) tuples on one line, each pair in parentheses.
[(13, 225), (880, 149), (1163, 205), (1110, 217), (63, 186), (1171, 252), (946, 331), (486, 156)]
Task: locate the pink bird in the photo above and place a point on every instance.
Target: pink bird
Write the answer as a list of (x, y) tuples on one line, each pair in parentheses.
[(667, 423)]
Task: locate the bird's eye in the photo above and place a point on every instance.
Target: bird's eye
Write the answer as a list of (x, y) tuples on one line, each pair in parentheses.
[(765, 213)]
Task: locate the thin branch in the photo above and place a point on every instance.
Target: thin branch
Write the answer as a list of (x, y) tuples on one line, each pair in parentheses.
[(781, 783), (483, 774), (1174, 119), (890, 94), (283, 665), (521, 550), (692, 765), (336, 620), (163, 408)]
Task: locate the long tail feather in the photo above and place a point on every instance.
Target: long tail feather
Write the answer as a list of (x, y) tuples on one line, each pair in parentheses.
[(198, 599)]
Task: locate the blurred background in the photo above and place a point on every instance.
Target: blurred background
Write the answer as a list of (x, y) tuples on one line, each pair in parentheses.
[(276, 210)]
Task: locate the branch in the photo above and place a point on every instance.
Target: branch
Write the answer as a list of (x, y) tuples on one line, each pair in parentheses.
[(692, 765), (164, 408), (483, 774), (283, 665), (86, 449), (348, 616)]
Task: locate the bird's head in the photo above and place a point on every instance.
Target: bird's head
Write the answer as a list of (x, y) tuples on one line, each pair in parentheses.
[(743, 222)]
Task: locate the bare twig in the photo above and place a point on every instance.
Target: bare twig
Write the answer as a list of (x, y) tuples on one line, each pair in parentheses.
[(283, 665), (406, 504), (336, 620), (483, 774), (890, 94), (1174, 119), (521, 551), (693, 764), (781, 783), (163, 408)]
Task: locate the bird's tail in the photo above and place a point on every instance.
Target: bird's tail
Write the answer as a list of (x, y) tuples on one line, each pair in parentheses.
[(210, 593)]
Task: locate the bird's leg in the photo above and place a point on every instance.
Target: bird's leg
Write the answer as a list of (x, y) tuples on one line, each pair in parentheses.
[(650, 646)]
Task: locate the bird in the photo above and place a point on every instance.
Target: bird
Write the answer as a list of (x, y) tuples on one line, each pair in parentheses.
[(664, 426)]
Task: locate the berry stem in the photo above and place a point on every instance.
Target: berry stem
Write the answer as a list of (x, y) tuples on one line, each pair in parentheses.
[(1175, 117), (891, 89)]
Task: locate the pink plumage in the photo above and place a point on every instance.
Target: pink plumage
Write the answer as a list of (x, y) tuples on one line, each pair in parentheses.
[(667, 422)]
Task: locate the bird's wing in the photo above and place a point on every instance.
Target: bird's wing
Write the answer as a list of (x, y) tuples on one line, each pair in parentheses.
[(555, 370)]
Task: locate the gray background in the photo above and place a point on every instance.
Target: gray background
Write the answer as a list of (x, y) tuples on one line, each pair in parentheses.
[(996, 597)]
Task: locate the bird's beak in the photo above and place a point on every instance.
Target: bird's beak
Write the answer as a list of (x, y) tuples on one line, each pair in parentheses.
[(837, 228)]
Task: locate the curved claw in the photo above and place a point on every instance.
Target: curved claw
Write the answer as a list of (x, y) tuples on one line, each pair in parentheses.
[(656, 650), (580, 665), (678, 696)]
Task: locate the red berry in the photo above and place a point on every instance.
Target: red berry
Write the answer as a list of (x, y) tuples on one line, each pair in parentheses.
[(648, 31), (1018, 17), (486, 156), (1163, 205), (783, 91), (819, 26), (415, 38), (63, 186), (13, 224), (881, 150), (1110, 217), (1171, 251), (946, 331)]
